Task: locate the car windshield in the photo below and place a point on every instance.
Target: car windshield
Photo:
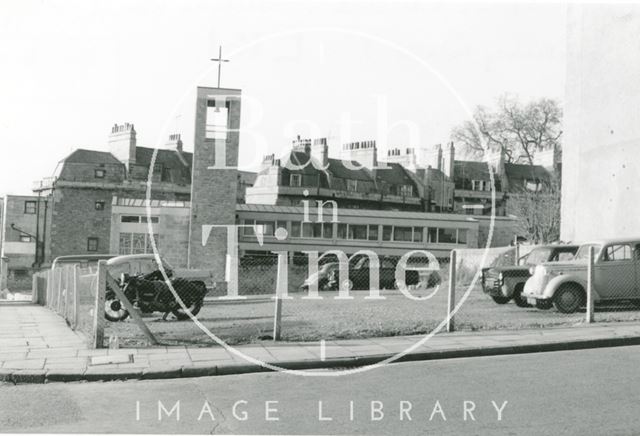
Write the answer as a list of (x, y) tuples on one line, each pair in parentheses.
[(537, 256), (583, 251)]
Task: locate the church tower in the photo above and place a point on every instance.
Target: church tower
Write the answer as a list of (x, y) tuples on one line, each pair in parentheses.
[(214, 176)]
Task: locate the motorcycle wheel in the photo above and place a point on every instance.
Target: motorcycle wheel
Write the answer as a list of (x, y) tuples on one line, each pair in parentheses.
[(194, 308), (114, 310)]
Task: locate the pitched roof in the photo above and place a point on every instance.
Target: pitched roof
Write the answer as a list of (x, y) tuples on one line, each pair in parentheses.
[(471, 170), (525, 172), (91, 157), (395, 174), (176, 165)]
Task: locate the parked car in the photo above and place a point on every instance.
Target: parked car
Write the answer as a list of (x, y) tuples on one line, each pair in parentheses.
[(328, 277), (506, 283), (564, 284), (146, 267)]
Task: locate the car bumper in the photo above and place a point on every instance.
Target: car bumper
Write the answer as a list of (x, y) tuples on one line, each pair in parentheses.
[(495, 290)]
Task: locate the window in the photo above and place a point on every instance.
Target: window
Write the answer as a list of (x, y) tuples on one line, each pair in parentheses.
[(342, 231), (462, 236), (145, 219), (402, 234), (327, 231), (417, 234), (136, 243), (295, 180), (99, 174), (352, 185), (387, 231), (406, 190), (295, 229), (25, 238), (307, 230), (138, 219), (30, 207), (481, 185), (357, 231), (100, 205), (92, 244), (432, 235), (373, 232), (447, 236), (617, 252), (268, 227)]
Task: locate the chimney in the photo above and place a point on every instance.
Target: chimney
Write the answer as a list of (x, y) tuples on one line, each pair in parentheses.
[(363, 152), (320, 151), (495, 159), (122, 143), (448, 159), (302, 145), (175, 142)]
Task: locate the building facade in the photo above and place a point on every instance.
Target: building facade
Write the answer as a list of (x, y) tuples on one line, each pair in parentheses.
[(19, 231), (601, 135)]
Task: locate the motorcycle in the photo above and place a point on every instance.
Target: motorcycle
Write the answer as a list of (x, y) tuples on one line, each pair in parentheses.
[(150, 293)]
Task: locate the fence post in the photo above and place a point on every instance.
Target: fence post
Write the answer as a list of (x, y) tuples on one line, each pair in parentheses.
[(76, 298), (517, 253), (451, 298), (589, 301), (47, 297), (34, 288), (67, 287), (59, 297), (98, 310), (282, 281)]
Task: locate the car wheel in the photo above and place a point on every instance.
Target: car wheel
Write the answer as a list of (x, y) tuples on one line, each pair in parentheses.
[(518, 298), (114, 310), (194, 308), (568, 298), (501, 300), (347, 284), (544, 304)]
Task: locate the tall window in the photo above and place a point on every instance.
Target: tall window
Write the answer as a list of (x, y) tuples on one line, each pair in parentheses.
[(295, 180), (136, 243), (92, 244), (30, 207), (352, 185), (406, 190)]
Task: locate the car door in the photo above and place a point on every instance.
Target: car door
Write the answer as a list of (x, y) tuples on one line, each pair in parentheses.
[(615, 272)]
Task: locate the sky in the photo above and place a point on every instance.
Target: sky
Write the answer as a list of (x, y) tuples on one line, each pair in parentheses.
[(402, 73)]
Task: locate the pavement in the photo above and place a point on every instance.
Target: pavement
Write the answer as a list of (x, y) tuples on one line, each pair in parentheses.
[(37, 346), (579, 392)]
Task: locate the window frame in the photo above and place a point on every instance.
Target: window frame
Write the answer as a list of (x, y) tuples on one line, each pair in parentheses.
[(101, 171), (90, 240), (27, 208)]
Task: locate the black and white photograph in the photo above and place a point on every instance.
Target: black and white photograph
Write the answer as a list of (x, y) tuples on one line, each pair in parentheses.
[(314, 217)]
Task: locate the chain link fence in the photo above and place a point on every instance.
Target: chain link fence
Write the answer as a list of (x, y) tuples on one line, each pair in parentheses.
[(327, 303), (71, 290)]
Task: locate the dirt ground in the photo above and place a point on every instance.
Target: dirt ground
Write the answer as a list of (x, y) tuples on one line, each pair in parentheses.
[(251, 320)]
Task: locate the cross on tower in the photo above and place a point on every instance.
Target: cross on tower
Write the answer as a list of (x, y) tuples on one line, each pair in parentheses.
[(219, 60)]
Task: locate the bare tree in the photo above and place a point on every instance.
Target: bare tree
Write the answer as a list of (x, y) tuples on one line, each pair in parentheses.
[(520, 130), (538, 208)]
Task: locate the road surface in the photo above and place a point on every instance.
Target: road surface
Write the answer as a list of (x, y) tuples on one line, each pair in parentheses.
[(577, 392)]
